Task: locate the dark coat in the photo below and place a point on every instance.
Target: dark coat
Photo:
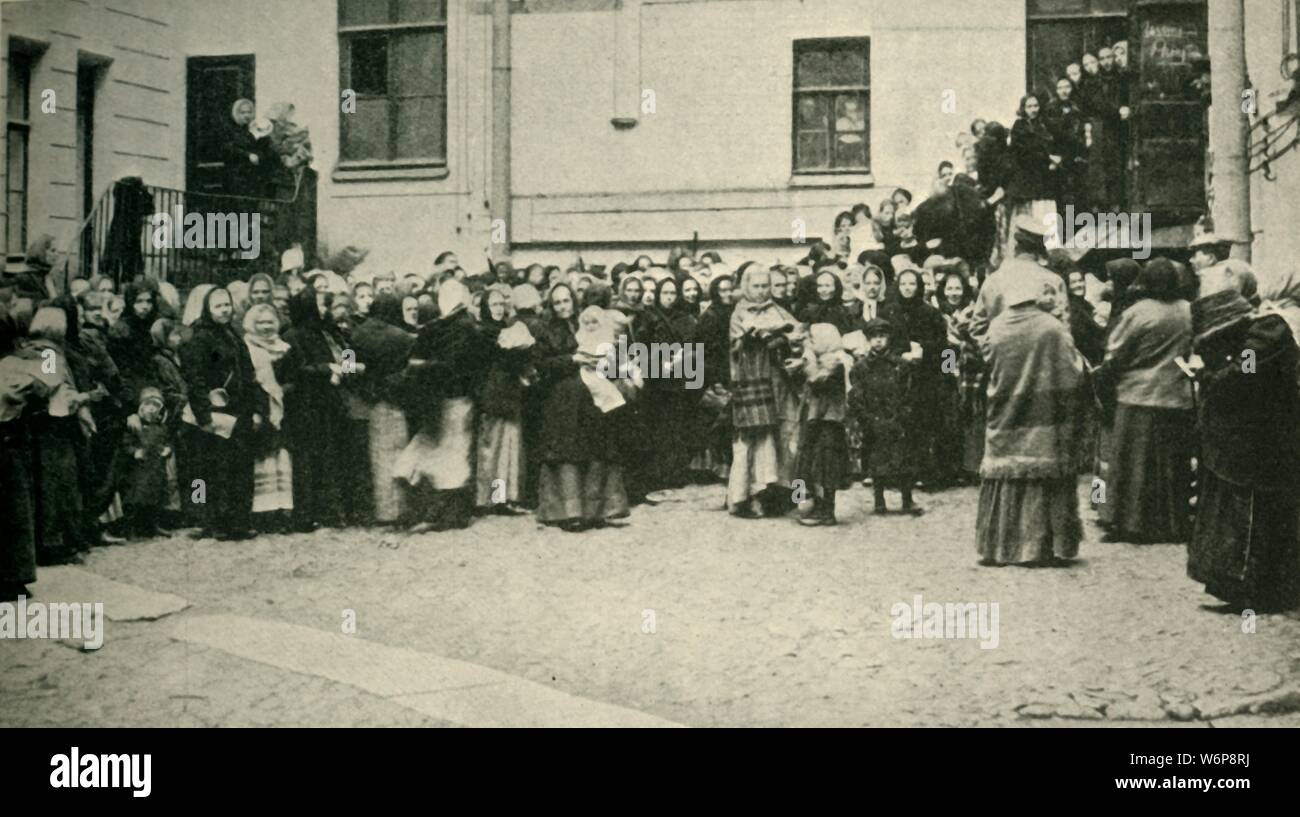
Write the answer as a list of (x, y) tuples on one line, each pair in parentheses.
[(573, 429), (215, 357), (1248, 420), (1031, 175), (882, 400)]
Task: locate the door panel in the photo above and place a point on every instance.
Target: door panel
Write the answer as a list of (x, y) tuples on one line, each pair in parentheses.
[(214, 84)]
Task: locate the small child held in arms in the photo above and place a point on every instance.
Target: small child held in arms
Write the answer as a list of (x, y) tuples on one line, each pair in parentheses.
[(881, 399)]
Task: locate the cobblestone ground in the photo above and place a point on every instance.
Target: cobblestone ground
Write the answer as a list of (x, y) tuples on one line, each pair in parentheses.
[(754, 623)]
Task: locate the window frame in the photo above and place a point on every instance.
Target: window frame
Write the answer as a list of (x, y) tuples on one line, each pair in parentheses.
[(406, 166), (20, 129), (829, 44)]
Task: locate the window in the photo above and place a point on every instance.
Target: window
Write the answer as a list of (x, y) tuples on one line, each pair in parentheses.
[(832, 96), (393, 57), (16, 141)]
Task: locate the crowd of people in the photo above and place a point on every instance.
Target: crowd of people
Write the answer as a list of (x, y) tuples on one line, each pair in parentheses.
[(915, 348)]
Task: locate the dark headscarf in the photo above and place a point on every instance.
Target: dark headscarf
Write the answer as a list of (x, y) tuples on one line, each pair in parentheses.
[(1123, 273), (387, 308), (1158, 281)]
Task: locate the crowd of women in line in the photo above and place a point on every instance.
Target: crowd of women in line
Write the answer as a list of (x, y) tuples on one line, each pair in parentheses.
[(317, 399)]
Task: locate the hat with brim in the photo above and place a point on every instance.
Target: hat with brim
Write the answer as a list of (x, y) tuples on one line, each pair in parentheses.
[(877, 326)]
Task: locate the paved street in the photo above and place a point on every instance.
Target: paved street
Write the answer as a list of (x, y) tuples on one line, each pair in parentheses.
[(684, 616)]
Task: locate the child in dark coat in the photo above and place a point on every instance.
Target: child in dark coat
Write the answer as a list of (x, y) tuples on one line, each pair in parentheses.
[(148, 446), (881, 398)]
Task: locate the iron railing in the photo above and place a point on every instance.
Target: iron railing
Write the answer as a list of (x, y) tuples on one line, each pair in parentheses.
[(118, 238)]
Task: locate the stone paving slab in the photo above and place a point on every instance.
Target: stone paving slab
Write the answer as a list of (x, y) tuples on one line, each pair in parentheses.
[(443, 688), (122, 602)]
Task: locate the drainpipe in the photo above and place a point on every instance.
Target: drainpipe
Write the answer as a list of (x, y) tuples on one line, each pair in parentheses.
[(499, 197), (1229, 127)]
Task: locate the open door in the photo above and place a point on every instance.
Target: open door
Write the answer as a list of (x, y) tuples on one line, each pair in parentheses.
[(213, 85)]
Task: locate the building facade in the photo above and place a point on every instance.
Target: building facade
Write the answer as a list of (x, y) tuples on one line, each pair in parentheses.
[(635, 125)]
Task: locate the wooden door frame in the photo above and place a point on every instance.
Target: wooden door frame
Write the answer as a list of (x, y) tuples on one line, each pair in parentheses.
[(198, 62)]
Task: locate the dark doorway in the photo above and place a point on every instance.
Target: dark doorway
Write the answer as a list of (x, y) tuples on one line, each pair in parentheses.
[(89, 74), (212, 87), (1054, 44)]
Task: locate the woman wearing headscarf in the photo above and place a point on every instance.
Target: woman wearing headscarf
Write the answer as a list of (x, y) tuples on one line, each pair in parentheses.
[(691, 289), (712, 447), (1028, 512), (499, 466), (829, 306), (272, 466), (580, 484), (315, 414), (785, 290), (880, 260), (665, 402), (920, 332), (1154, 428), (959, 430), (383, 344), (227, 406), (1031, 181), (449, 356), (1280, 295), (1243, 545), (631, 291), (194, 304), (764, 405), (249, 160)]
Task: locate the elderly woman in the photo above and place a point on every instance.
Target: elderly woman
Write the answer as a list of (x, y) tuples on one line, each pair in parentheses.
[(1151, 445), (764, 404), (1028, 513), (1243, 544)]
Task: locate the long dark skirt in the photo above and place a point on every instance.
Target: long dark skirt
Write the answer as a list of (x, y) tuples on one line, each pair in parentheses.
[(226, 468), (588, 491), (321, 477), (1027, 521), (949, 433), (61, 530), (359, 494), (17, 506), (823, 460), (1243, 546), (1151, 473)]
